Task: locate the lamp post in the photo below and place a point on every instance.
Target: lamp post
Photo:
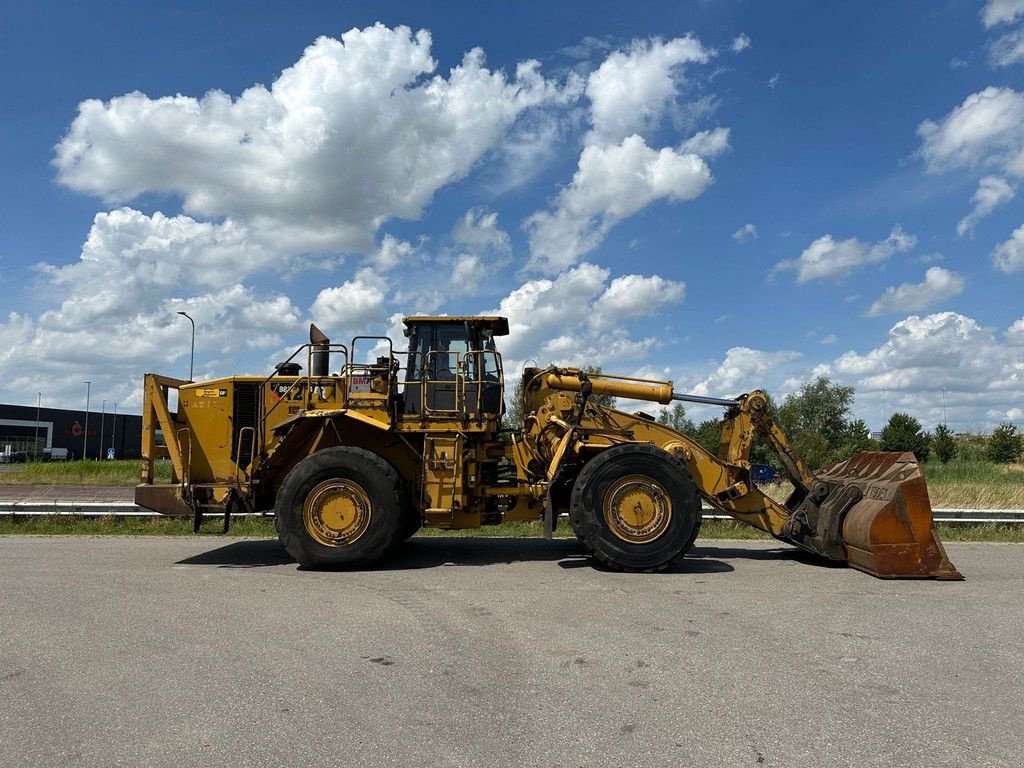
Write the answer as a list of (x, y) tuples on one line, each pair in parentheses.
[(103, 422), (192, 354), (113, 430), (35, 442), (944, 406), (85, 437)]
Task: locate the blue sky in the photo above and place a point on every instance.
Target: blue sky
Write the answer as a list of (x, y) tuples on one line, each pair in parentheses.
[(727, 193)]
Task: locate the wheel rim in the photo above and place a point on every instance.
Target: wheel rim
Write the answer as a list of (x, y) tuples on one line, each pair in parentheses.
[(637, 509), (337, 512)]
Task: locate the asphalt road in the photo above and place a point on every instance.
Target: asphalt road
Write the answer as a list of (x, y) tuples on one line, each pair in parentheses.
[(461, 652)]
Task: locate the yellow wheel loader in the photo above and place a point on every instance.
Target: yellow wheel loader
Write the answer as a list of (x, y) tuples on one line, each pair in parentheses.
[(353, 457)]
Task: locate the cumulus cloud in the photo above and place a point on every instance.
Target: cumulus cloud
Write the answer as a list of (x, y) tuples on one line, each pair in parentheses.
[(634, 296), (992, 192), (591, 333), (1001, 12), (740, 43), (745, 234), (349, 309), (742, 370), (828, 258), (358, 131), (632, 88), (940, 350), (1015, 333), (986, 130), (1009, 255), (610, 184), (939, 284)]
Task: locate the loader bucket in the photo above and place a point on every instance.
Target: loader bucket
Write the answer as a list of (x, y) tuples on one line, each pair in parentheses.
[(889, 532)]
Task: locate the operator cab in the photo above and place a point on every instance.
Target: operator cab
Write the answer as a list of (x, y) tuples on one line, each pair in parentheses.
[(454, 370)]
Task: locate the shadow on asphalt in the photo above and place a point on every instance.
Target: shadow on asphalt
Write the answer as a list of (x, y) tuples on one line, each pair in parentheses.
[(433, 552)]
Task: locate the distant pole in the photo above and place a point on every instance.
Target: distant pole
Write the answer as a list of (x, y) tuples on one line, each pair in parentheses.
[(192, 354), (103, 422), (114, 430), (885, 410), (944, 406), (85, 437), (35, 449)]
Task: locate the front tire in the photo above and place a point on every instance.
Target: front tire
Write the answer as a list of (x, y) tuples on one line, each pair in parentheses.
[(635, 508), (340, 506)]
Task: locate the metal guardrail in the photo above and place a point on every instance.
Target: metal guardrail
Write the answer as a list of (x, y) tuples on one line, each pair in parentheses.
[(128, 509)]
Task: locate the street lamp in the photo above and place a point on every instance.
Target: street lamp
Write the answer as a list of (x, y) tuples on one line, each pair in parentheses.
[(944, 406), (85, 437), (113, 431), (103, 421), (192, 354), (35, 442)]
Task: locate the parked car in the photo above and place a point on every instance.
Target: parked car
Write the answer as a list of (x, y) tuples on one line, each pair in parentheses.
[(765, 474)]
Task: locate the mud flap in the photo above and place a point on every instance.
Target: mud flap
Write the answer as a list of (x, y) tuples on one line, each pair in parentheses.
[(873, 511)]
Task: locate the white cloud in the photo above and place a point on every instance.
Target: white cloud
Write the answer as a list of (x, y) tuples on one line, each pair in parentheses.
[(740, 43), (1001, 12), (992, 192), (542, 330), (478, 231), (1007, 50), (830, 339), (707, 144), (986, 130), (1015, 333), (743, 370), (939, 284), (349, 309), (632, 88), (357, 131), (745, 234), (827, 258), (773, 81), (634, 296), (924, 355), (391, 253), (610, 184), (1009, 255)]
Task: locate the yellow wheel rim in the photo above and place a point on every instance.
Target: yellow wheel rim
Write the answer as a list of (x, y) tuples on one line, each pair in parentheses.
[(337, 512), (637, 509)]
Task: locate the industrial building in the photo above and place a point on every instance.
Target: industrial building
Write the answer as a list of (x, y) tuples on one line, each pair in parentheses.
[(54, 433)]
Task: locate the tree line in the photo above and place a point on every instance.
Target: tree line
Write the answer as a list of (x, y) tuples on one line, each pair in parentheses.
[(818, 424)]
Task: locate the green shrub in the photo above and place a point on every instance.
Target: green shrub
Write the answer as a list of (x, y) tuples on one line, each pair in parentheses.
[(1005, 445)]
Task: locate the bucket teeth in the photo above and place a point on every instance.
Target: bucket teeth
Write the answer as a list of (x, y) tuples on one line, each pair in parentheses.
[(890, 531)]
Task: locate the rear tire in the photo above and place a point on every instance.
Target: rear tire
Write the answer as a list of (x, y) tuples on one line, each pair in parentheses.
[(635, 508), (340, 506)]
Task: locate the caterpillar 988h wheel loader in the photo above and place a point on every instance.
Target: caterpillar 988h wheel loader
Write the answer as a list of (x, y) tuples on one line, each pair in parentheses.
[(353, 457)]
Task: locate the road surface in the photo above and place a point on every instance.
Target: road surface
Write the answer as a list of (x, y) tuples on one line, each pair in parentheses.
[(179, 652)]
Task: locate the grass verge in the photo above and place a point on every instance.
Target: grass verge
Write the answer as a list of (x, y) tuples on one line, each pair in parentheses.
[(263, 527), (118, 473)]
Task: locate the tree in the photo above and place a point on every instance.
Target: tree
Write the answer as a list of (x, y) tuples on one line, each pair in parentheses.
[(1005, 446), (708, 434), (815, 422), (676, 418), (943, 444), (903, 433)]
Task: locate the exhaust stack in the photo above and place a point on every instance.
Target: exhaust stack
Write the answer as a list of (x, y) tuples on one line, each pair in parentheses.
[(320, 354)]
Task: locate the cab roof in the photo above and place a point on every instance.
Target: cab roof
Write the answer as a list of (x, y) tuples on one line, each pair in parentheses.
[(497, 325)]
